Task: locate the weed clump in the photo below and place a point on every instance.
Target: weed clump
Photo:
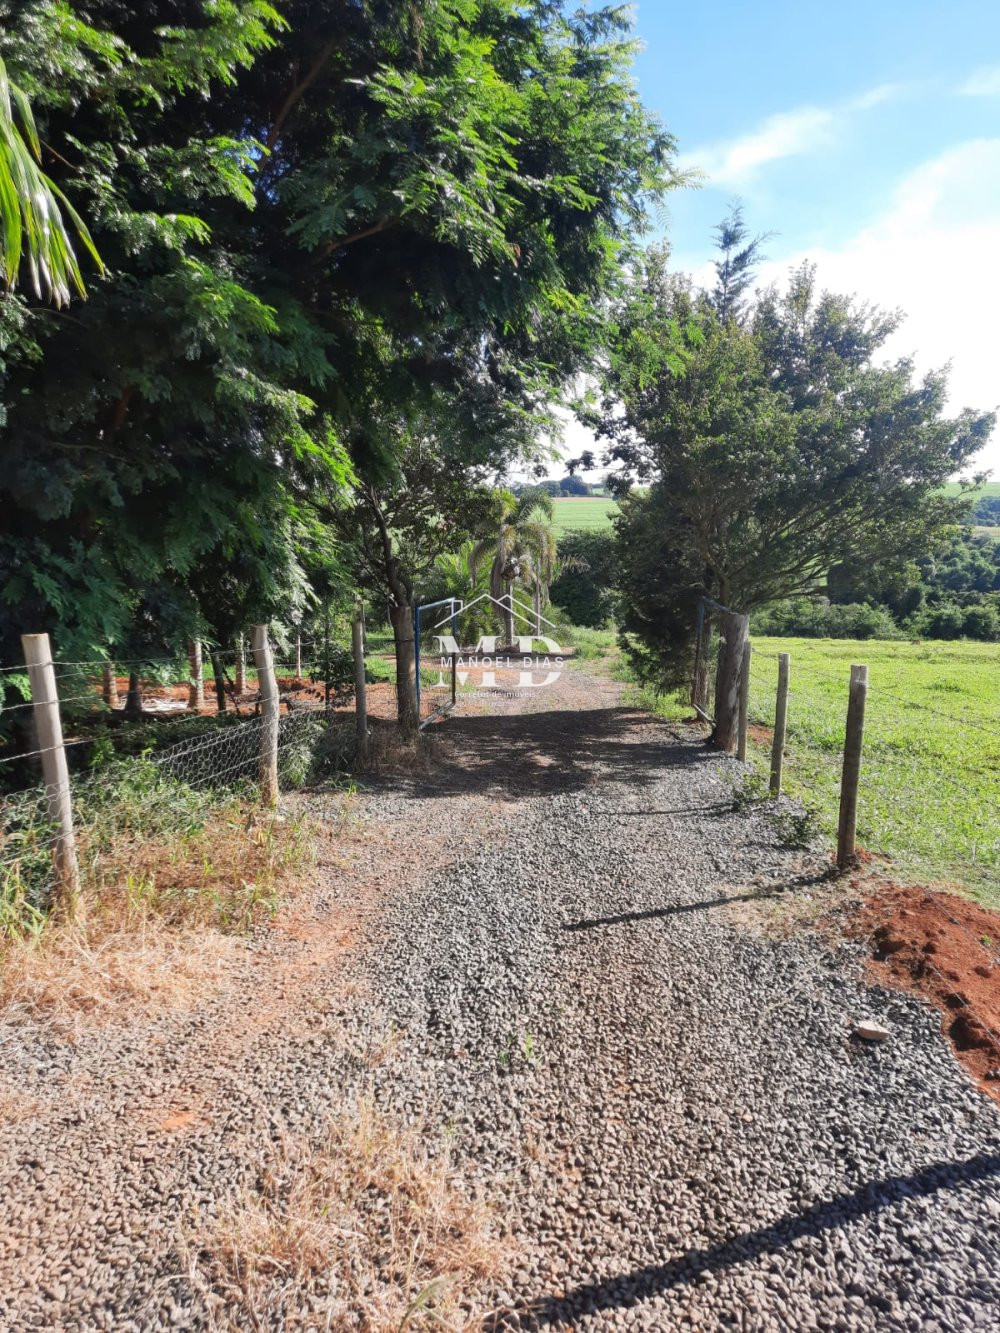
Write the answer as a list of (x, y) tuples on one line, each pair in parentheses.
[(371, 1229)]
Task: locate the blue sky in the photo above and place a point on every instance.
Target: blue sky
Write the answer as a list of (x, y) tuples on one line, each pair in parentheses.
[(867, 136)]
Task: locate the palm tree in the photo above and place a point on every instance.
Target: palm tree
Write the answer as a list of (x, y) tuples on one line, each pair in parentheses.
[(32, 208), (524, 550)]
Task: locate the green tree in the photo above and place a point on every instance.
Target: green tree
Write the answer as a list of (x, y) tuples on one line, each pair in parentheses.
[(587, 577), (163, 429), (311, 224), (33, 211), (520, 546), (735, 269), (776, 448), (399, 528)]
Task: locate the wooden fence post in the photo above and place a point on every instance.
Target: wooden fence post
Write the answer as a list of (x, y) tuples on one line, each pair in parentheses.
[(196, 685), (298, 657), (780, 723), (360, 687), (241, 664), (734, 630), (109, 687), (851, 775), (699, 682), (55, 773), (741, 745), (269, 706)]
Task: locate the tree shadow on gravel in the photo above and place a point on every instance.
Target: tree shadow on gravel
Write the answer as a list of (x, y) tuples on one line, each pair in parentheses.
[(702, 905), (628, 1290), (516, 756)]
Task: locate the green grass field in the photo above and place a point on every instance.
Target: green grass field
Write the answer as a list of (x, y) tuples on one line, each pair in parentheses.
[(594, 514), (586, 514), (930, 795), (990, 488)]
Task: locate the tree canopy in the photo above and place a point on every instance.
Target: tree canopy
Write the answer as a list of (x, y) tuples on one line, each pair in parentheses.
[(777, 447), (311, 222)]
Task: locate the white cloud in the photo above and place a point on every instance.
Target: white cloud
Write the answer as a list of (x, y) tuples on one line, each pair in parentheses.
[(785, 134), (984, 82), (932, 253), (884, 92)]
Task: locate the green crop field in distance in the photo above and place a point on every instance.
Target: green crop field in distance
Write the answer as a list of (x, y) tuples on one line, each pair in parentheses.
[(584, 514), (930, 793), (990, 488)]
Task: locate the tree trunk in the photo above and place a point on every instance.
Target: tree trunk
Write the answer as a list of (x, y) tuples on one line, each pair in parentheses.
[(110, 690), (298, 657), (196, 685), (241, 665), (538, 607), (406, 670), (733, 633), (133, 700), (508, 616), (220, 681)]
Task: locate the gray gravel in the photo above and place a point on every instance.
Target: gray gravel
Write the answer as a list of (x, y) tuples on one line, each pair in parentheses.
[(662, 1097), (672, 1096)]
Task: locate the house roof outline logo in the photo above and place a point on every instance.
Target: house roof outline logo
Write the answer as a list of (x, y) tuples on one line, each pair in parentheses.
[(502, 604)]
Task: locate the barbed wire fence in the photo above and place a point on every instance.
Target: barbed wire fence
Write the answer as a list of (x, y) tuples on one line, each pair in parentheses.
[(927, 794), (883, 773)]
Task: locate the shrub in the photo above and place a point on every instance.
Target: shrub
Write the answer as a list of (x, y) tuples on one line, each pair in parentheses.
[(803, 617), (588, 574), (982, 622)]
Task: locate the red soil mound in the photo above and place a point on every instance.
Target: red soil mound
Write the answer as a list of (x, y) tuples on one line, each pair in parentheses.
[(946, 949)]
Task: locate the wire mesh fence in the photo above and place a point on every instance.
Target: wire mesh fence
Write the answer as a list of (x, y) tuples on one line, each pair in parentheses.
[(129, 800), (110, 756)]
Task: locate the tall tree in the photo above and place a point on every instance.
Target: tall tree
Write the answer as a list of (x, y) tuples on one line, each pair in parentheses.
[(311, 224), (775, 450), (399, 528), (521, 548), (736, 266)]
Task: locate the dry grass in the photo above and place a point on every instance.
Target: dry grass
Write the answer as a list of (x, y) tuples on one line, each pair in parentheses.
[(390, 754), (373, 1231), (16, 1105), (72, 977), (155, 918)]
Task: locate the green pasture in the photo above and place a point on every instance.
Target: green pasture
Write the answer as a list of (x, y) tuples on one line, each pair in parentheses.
[(930, 795), (583, 514)]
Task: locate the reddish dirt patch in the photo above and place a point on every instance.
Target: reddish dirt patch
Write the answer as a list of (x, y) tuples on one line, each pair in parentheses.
[(948, 950), (179, 1121)]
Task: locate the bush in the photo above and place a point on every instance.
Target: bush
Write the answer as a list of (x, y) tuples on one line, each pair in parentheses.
[(944, 621), (952, 620), (982, 622), (805, 618), (588, 574), (141, 831), (987, 511)]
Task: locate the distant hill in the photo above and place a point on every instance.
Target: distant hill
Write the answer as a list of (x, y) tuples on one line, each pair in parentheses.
[(986, 509)]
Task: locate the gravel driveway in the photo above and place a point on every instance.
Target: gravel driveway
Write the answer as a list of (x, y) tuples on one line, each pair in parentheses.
[(577, 943)]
